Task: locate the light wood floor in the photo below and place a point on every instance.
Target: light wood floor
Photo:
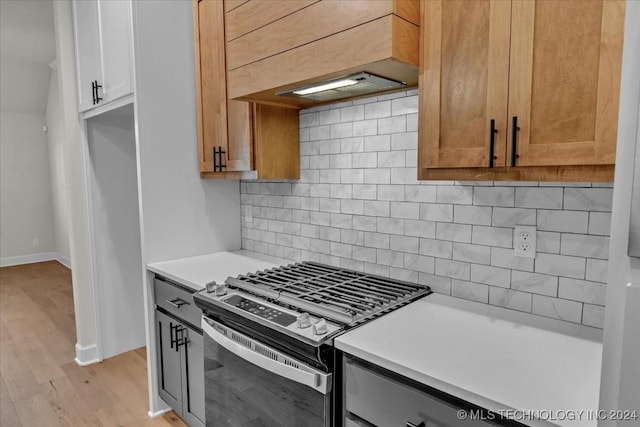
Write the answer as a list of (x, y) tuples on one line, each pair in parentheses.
[(40, 384)]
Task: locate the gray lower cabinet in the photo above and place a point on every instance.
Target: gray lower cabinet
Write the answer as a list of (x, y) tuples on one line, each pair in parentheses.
[(181, 368), (374, 399)]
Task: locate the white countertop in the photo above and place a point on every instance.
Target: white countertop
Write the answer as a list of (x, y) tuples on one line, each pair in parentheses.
[(197, 271), (496, 358)]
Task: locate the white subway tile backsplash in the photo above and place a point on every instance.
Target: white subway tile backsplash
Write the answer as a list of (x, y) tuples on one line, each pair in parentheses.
[(478, 215), (585, 246), (376, 240), (377, 143), (582, 290), (393, 124), (494, 196), (563, 221), (557, 308), (352, 113), (377, 109), (420, 263), (508, 298), (365, 160), (593, 315), (453, 269), (405, 210), (505, 217), (391, 192), (540, 197), (548, 242), (491, 275), (469, 290), (404, 141), (471, 253), (492, 236), (403, 106), (600, 223), (455, 194), (390, 225), (352, 145), (561, 265), (358, 205), (454, 232), (597, 270), (391, 159), (405, 244), (588, 199), (501, 257), (535, 283), (435, 211)]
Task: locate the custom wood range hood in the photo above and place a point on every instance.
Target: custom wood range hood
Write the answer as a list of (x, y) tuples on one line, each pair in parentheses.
[(279, 52)]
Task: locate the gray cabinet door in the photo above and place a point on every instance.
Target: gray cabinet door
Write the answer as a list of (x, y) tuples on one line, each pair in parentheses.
[(193, 379), (169, 369)]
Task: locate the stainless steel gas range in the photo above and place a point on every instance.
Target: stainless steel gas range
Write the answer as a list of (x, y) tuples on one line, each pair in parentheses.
[(269, 356)]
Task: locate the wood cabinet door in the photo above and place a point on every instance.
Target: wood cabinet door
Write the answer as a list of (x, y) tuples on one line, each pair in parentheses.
[(223, 125), (169, 369), (565, 81), (464, 72)]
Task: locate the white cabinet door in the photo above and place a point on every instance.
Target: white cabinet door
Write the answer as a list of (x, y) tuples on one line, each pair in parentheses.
[(115, 38), (88, 63)]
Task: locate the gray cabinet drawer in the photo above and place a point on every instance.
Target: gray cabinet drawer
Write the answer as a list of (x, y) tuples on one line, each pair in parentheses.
[(176, 301), (383, 401)]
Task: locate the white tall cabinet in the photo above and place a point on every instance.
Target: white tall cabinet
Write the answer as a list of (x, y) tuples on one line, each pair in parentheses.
[(103, 37)]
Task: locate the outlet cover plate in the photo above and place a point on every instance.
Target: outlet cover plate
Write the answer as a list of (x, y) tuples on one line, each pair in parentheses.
[(524, 241)]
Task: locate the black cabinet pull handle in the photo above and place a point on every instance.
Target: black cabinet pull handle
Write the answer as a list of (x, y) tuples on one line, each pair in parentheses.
[(492, 140), (514, 141), (97, 97), (182, 340), (171, 328), (218, 160), (93, 92), (177, 303)]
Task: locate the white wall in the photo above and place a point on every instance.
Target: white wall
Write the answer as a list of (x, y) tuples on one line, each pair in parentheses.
[(181, 215), (620, 385), (116, 230), (26, 211), (24, 85), (56, 139)]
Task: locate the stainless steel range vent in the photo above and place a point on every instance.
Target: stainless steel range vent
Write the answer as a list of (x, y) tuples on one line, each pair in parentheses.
[(343, 87)]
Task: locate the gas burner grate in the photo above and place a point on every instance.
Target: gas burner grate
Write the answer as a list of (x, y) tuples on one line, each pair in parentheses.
[(339, 294)]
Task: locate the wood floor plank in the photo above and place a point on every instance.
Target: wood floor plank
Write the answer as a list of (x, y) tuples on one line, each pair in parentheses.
[(36, 411), (40, 384), (33, 353), (8, 415)]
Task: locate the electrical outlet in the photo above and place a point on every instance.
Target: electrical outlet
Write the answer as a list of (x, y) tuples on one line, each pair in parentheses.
[(524, 241)]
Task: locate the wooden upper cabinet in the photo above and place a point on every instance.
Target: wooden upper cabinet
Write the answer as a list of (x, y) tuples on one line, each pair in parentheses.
[(227, 137), (464, 82), (565, 81), (546, 74)]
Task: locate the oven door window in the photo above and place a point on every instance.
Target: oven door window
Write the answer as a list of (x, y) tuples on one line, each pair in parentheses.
[(246, 386)]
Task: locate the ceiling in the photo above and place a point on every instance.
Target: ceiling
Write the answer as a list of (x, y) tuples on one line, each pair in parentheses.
[(26, 30)]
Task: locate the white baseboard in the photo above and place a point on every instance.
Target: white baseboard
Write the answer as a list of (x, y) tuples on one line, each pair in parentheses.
[(87, 355), (63, 260), (28, 259), (160, 412)]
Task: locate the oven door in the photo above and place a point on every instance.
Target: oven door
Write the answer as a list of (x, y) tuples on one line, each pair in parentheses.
[(250, 384)]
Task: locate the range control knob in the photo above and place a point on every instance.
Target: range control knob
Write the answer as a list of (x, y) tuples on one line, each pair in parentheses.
[(319, 327), (303, 321)]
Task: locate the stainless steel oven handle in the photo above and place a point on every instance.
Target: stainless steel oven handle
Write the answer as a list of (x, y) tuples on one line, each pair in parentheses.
[(308, 376)]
